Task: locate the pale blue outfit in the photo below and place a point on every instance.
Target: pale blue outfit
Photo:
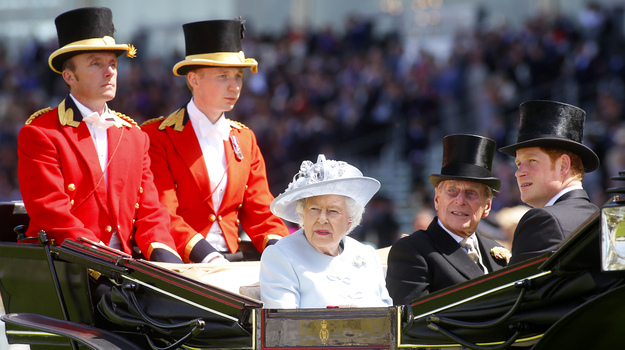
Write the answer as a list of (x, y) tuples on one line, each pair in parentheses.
[(293, 274)]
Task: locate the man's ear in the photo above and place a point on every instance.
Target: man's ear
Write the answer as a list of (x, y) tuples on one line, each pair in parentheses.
[(565, 163), (192, 79), (69, 77), (487, 208)]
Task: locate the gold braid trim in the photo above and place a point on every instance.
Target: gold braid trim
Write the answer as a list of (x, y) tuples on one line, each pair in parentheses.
[(66, 116), (270, 237), (124, 117), (189, 247), (237, 125), (151, 121), (175, 119), (158, 245), (37, 114)]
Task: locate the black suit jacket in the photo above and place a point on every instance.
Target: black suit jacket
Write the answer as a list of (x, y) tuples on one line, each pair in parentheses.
[(431, 260), (541, 230)]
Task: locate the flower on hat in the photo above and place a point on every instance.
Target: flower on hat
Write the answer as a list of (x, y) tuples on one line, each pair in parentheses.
[(500, 253), (132, 51), (310, 173)]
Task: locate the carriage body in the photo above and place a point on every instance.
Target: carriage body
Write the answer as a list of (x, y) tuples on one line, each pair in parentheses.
[(106, 297)]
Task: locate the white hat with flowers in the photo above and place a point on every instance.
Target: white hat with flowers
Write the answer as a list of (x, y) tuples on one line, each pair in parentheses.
[(323, 178)]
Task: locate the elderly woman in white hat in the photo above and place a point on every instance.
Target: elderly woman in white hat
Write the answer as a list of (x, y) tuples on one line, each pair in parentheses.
[(318, 266)]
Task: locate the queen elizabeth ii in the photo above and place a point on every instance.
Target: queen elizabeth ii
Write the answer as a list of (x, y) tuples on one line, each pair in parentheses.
[(319, 266)]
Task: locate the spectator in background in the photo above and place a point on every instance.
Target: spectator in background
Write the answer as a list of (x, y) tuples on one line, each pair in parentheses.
[(304, 70)]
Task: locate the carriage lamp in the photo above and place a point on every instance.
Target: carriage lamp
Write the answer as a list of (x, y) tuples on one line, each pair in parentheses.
[(613, 229)]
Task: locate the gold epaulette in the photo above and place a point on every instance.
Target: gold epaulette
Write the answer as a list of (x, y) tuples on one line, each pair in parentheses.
[(174, 120), (151, 121), (125, 118), (237, 125), (37, 114)]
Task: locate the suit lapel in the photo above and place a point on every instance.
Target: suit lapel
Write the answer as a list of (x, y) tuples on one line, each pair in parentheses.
[(453, 252), (79, 136), (188, 147), (487, 258)]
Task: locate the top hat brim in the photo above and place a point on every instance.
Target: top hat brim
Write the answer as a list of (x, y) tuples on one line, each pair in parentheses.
[(590, 160), (360, 189), (218, 59), (62, 54), (492, 182)]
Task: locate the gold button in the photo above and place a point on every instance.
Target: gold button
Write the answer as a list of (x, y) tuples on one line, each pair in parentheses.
[(176, 186), (238, 222), (239, 239), (108, 229), (246, 187), (71, 202), (212, 217), (71, 187), (240, 205), (137, 206), (140, 189), (219, 218)]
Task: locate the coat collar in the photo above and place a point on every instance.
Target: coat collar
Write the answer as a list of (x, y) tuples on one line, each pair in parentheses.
[(453, 252), (186, 143)]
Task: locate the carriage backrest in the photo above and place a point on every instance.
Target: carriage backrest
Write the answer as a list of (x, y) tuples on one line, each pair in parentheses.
[(12, 215)]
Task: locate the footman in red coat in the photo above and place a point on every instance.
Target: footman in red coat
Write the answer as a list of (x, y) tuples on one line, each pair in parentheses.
[(84, 169)]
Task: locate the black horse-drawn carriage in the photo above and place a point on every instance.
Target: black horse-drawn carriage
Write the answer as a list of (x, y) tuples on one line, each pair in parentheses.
[(80, 295)]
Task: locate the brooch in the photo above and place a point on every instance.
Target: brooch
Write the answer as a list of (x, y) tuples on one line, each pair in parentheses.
[(501, 253), (359, 261)]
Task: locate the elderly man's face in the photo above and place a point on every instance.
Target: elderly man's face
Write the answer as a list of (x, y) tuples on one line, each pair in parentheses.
[(461, 205), (326, 221)]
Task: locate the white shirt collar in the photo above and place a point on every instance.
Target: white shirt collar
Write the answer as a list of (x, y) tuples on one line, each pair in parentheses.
[(221, 128), (453, 235), (84, 110), (561, 193)]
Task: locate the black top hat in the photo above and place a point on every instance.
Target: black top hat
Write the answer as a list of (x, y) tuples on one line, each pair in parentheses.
[(467, 158), (86, 29), (214, 43), (555, 125)]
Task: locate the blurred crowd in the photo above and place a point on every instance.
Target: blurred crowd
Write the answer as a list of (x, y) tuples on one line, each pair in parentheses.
[(350, 93)]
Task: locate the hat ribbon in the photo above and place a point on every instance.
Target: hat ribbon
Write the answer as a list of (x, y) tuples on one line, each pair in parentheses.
[(104, 41), (225, 57)]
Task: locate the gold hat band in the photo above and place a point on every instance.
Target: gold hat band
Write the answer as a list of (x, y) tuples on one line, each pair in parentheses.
[(105, 43), (235, 59)]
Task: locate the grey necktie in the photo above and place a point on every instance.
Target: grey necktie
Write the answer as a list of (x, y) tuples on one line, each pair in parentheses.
[(470, 245)]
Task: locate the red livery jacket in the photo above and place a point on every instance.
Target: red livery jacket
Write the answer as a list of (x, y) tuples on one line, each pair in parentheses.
[(65, 193), (183, 186)]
